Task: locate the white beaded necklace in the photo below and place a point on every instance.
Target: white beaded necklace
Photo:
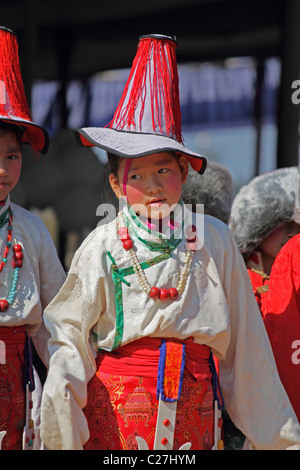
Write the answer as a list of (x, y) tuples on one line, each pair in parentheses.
[(154, 292)]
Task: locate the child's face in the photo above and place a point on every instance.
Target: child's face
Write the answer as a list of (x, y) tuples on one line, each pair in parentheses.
[(154, 183), (10, 163), (273, 243)]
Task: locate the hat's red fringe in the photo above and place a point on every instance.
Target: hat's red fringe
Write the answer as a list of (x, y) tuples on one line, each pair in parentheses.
[(13, 101), (154, 64)]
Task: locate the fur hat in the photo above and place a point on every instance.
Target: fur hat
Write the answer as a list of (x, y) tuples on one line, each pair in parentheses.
[(296, 215), (148, 118), (263, 205), (214, 189)]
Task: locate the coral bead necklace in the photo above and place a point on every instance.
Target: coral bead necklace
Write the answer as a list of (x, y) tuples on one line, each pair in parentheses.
[(17, 264), (154, 292)]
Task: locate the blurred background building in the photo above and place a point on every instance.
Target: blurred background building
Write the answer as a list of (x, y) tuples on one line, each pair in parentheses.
[(238, 69)]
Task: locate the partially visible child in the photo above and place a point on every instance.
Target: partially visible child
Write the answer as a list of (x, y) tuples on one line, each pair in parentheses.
[(148, 299), (266, 227), (282, 314), (213, 189), (282, 318), (30, 271), (262, 221)]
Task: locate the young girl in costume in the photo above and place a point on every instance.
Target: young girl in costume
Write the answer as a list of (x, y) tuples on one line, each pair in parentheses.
[(149, 297), (265, 224), (262, 221), (30, 272)]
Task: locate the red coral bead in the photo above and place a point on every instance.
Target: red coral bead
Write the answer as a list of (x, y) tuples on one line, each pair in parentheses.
[(127, 244), (18, 255), (173, 293), (3, 305), (192, 246), (17, 263), (123, 233), (164, 294), (154, 293), (191, 231), (124, 236), (17, 248)]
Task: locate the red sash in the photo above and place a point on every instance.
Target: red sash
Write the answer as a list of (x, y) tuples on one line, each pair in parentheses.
[(141, 358)]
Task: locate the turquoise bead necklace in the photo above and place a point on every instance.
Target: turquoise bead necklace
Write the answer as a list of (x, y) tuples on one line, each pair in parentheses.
[(17, 264)]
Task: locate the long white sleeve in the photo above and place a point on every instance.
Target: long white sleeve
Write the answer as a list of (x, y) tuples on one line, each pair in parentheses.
[(95, 309)]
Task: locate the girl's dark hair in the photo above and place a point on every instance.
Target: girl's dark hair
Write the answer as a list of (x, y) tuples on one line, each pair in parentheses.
[(18, 131), (107, 194), (114, 162)]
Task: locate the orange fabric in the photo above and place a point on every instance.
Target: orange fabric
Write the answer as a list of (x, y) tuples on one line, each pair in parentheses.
[(172, 369)]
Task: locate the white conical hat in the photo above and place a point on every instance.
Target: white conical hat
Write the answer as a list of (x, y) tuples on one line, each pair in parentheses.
[(147, 119)]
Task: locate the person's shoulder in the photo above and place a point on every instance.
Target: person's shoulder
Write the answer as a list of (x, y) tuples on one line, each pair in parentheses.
[(213, 234), (25, 217), (217, 232), (214, 227), (214, 224), (101, 238), (208, 222), (103, 232)]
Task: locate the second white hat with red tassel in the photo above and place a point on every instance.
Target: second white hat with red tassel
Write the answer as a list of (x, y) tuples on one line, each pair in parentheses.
[(148, 118)]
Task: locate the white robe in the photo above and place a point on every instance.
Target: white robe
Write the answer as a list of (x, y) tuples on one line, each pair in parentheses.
[(217, 308), (40, 277)]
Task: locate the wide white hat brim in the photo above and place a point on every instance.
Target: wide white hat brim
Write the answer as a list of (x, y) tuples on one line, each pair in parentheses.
[(129, 144)]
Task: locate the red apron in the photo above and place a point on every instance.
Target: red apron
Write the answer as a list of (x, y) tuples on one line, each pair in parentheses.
[(123, 398), (12, 391)]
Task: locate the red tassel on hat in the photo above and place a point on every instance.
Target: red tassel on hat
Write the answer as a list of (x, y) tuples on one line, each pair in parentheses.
[(148, 118), (13, 104), (153, 77)]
